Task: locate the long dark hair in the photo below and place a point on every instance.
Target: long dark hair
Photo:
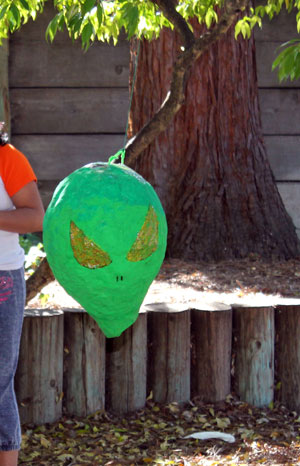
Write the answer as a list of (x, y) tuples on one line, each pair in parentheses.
[(3, 134)]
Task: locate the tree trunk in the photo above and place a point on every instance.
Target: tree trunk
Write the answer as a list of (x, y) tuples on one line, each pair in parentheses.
[(210, 167)]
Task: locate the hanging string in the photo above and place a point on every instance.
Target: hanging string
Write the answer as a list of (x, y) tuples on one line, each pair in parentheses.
[(121, 152)]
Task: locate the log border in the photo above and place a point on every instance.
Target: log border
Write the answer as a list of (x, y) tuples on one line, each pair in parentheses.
[(126, 361)]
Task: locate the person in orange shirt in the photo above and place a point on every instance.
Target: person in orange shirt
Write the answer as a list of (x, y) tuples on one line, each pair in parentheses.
[(21, 211)]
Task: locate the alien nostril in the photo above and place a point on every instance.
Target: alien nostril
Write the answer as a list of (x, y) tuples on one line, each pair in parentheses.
[(119, 277)]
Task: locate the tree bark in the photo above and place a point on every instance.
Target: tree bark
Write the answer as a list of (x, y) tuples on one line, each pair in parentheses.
[(191, 49), (210, 167)]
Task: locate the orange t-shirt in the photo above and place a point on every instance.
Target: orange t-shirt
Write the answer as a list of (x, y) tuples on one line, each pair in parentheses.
[(15, 170), (15, 173)]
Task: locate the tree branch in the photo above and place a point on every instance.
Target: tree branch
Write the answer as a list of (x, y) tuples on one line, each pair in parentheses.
[(181, 26), (184, 61), (40, 278)]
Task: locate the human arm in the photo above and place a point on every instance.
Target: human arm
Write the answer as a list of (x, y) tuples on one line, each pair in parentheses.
[(28, 213)]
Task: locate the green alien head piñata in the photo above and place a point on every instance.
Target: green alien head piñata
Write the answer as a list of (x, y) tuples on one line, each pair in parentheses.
[(105, 236)]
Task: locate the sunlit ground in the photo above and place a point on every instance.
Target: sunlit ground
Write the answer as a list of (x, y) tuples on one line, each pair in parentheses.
[(244, 282)]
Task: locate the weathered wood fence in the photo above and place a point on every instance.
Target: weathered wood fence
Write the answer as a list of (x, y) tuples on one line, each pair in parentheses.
[(67, 366)]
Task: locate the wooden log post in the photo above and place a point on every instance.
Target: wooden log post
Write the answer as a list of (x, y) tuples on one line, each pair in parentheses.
[(4, 84), (169, 352), (39, 376), (84, 364), (254, 339), (287, 355), (211, 351), (126, 368)]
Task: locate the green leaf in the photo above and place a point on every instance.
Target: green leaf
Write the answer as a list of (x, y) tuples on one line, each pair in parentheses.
[(16, 13), (209, 17), (237, 29), (288, 61), (73, 20), (87, 6), (245, 29), (13, 18), (3, 12), (25, 5), (297, 70), (86, 35), (53, 26), (99, 14), (77, 25), (130, 14)]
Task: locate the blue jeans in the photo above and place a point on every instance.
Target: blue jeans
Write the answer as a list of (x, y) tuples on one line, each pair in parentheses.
[(12, 302)]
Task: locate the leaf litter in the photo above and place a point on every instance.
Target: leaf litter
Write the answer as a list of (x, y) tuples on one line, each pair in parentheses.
[(155, 436)]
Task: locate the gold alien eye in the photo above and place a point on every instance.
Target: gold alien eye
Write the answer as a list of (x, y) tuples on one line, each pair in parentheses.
[(147, 239), (86, 252)]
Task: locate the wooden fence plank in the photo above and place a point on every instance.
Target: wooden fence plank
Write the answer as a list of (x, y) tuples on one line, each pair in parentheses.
[(65, 64), (84, 364), (254, 340), (276, 110), (211, 335), (59, 111), (287, 320), (105, 110), (126, 368), (4, 84), (290, 194), (169, 352), (284, 156), (281, 28), (39, 376), (55, 156), (46, 189)]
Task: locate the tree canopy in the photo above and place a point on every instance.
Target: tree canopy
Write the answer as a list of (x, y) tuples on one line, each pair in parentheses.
[(103, 20)]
